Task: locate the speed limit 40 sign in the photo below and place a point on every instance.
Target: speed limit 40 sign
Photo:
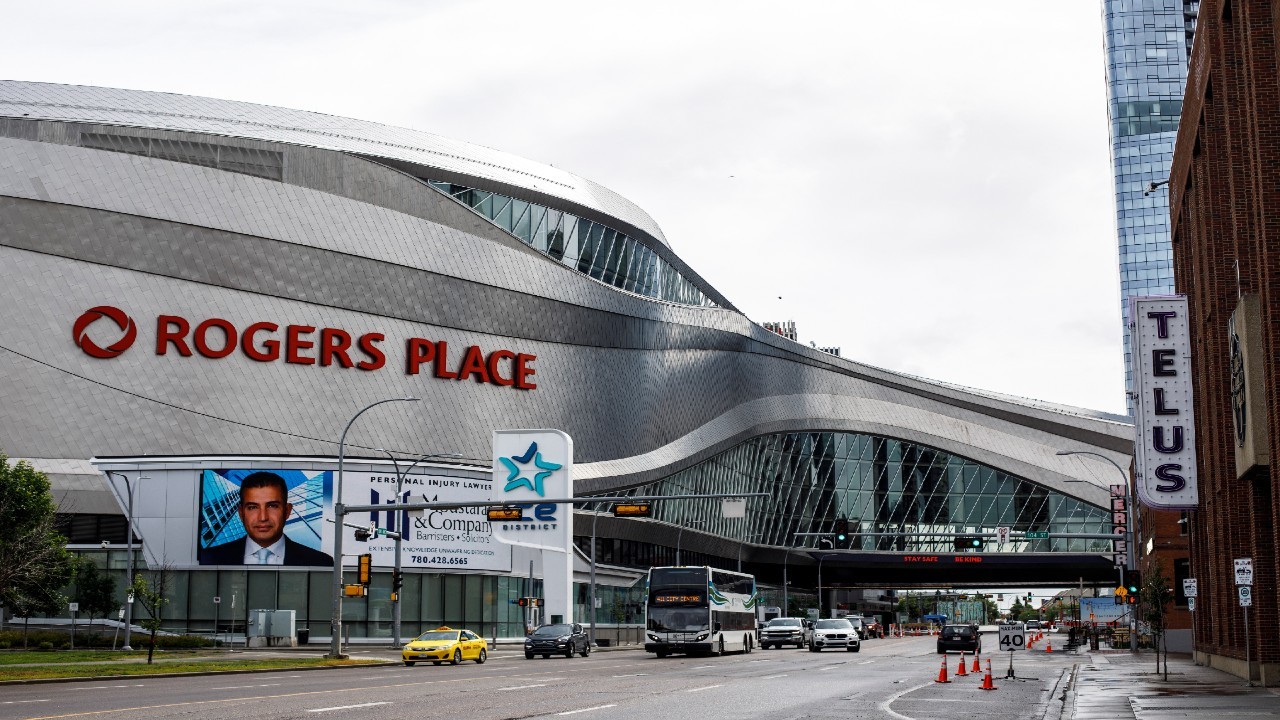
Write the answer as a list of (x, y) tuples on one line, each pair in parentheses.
[(1013, 636)]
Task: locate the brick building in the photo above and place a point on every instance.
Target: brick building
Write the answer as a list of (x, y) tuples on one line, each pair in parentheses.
[(1225, 216)]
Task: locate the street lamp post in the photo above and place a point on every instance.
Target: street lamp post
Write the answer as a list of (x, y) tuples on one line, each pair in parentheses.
[(741, 541), (595, 515), (395, 586), (680, 534), (821, 557), (335, 623), (128, 580), (1128, 529)]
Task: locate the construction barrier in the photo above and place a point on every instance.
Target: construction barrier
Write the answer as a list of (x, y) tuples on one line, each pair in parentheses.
[(942, 674), (961, 671), (986, 680)]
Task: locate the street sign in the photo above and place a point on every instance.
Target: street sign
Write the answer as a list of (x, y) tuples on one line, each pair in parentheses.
[(1246, 595), (1002, 535), (633, 509), (217, 599), (1191, 604), (1122, 591), (1036, 535), (1244, 571), (75, 607), (513, 514), (1190, 587), (120, 614), (1013, 636)]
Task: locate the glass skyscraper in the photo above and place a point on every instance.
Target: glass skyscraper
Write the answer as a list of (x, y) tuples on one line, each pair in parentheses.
[(1147, 45)]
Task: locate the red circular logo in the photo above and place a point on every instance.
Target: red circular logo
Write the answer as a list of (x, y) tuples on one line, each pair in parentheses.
[(116, 315)]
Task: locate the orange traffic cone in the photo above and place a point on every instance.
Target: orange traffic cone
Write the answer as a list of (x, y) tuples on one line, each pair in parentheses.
[(976, 667), (986, 679), (1049, 648), (942, 674), (960, 671)]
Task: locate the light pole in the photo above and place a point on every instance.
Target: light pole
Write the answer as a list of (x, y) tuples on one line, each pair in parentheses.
[(397, 580), (785, 585), (680, 534), (128, 580), (821, 557), (742, 540), (1131, 518), (335, 623), (595, 515)]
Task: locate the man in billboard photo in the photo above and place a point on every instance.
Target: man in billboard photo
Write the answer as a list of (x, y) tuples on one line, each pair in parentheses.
[(264, 508)]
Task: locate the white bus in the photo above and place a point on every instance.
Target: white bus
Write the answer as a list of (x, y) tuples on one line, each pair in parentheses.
[(699, 610)]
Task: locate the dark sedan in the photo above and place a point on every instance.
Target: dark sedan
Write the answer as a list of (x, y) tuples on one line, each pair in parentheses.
[(960, 637), (557, 639)]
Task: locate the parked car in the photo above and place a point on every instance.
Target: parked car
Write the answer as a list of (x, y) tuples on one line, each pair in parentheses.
[(785, 631), (557, 639), (445, 643), (836, 633), (959, 637)]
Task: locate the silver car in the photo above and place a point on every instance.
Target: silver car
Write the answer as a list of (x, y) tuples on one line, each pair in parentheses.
[(785, 631), (837, 634)]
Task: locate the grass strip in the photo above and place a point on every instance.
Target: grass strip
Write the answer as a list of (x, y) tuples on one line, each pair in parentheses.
[(131, 669), (55, 657)]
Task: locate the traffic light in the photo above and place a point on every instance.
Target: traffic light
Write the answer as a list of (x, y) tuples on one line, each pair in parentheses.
[(365, 569), (1132, 581), (968, 542), (363, 534), (842, 529), (1028, 598), (529, 602), (397, 580), (1131, 598)]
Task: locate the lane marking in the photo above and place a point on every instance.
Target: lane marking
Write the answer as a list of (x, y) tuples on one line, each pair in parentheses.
[(242, 687), (773, 677), (866, 662), (705, 688), (18, 702), (598, 707), (829, 667), (304, 693), (350, 707), (702, 667), (522, 687), (893, 698), (632, 675)]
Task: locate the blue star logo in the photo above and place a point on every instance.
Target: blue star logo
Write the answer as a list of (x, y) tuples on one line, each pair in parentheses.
[(517, 477)]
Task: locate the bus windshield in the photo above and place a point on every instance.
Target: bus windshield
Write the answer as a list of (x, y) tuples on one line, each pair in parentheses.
[(677, 619)]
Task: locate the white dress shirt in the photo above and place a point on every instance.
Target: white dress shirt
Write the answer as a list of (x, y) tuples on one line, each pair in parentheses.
[(276, 549)]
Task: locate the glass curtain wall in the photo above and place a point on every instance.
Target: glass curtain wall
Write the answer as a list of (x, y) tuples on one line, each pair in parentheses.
[(880, 485), (1147, 43), (590, 248)]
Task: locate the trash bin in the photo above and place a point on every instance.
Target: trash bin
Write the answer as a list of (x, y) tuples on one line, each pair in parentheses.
[(304, 635), (603, 642)]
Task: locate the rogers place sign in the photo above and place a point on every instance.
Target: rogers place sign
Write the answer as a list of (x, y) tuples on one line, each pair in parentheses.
[(215, 338)]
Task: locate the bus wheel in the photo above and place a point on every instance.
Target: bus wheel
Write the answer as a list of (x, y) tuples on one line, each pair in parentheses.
[(720, 649), (746, 645)]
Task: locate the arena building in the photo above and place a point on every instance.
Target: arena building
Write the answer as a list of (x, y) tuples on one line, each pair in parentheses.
[(200, 290)]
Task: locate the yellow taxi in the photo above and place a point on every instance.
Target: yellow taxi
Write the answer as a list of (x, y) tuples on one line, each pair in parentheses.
[(445, 644)]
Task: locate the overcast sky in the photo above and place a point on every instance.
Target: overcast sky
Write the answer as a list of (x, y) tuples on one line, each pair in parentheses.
[(925, 185)]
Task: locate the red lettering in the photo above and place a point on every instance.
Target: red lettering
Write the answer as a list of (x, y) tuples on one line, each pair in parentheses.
[(442, 360), (294, 344), (524, 372), (177, 336), (202, 341), (335, 343), (473, 364), (419, 351), (494, 358), (367, 346), (270, 348)]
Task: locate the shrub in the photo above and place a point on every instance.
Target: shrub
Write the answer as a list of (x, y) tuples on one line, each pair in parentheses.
[(46, 645), (4, 644)]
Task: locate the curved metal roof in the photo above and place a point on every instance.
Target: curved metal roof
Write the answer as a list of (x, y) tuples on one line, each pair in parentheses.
[(229, 118)]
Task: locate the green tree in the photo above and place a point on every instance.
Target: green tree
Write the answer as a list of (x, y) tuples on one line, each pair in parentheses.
[(33, 556), (152, 595), (1154, 596), (94, 589)]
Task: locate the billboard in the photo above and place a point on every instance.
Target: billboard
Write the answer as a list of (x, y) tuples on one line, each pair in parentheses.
[(1164, 421), (285, 517)]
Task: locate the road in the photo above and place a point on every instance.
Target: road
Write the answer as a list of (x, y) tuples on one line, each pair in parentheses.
[(889, 678)]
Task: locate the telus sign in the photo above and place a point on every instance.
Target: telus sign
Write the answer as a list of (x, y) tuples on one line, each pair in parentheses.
[(1164, 423), (216, 338)]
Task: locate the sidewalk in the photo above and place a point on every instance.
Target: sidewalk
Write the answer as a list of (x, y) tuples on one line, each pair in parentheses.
[(1117, 685)]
